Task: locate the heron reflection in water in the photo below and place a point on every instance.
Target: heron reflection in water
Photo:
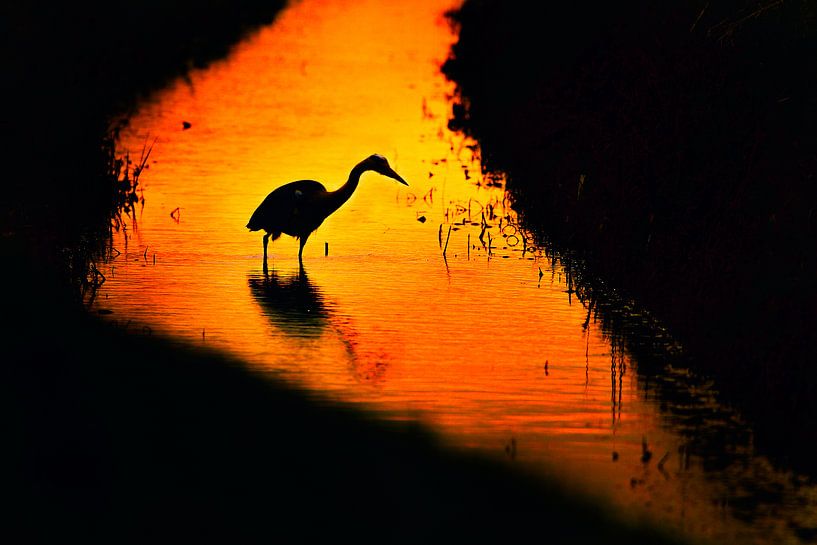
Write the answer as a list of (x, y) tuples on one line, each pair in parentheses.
[(298, 308), (292, 303), (299, 208)]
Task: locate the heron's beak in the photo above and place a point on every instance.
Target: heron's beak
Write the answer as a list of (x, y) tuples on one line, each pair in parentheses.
[(392, 174)]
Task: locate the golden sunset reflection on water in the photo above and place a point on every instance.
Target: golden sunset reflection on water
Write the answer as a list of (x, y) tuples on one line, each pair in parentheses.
[(482, 344)]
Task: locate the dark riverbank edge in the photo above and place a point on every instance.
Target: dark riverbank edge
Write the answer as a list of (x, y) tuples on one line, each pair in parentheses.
[(115, 437), (72, 74), (672, 146), (112, 437)]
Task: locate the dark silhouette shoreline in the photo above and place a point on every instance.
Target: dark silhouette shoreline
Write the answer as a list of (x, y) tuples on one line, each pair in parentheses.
[(672, 148), (120, 437)]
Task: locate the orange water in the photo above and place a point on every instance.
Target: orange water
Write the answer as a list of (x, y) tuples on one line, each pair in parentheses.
[(475, 337)]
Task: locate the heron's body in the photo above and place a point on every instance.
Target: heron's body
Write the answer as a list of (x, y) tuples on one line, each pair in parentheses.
[(295, 209), (299, 208)]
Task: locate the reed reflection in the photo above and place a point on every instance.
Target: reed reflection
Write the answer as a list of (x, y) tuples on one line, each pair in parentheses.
[(293, 303)]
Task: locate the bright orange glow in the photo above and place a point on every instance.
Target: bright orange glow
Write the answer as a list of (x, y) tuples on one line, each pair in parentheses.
[(475, 344)]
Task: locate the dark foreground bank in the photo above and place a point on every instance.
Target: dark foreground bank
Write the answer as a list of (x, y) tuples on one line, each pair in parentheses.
[(673, 146), (116, 438)]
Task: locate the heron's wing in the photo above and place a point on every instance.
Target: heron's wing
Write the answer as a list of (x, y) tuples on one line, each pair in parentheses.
[(281, 207), (303, 189)]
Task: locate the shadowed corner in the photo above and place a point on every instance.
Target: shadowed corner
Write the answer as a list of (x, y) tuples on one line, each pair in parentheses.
[(292, 303)]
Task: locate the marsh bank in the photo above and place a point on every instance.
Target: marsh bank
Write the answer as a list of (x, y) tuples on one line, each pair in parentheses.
[(671, 147)]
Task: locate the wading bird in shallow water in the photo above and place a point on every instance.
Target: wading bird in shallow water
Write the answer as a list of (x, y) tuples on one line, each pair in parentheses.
[(298, 208)]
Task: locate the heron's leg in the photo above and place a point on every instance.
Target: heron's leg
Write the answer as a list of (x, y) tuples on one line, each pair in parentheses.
[(301, 251), (266, 241)]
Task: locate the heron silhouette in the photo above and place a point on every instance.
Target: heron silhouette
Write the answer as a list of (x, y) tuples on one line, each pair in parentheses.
[(299, 208)]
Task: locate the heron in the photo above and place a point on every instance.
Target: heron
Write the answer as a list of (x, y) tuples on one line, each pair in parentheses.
[(299, 208)]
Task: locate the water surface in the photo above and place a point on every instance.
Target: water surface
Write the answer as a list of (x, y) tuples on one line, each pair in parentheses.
[(425, 302)]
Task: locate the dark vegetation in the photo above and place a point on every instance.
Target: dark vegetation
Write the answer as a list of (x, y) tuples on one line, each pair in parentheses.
[(673, 146), (71, 74), (110, 437)]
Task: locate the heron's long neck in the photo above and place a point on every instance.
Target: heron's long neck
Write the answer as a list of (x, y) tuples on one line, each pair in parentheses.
[(342, 194)]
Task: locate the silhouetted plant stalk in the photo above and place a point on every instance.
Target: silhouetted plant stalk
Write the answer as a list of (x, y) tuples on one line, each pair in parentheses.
[(446, 240), (123, 176), (120, 176)]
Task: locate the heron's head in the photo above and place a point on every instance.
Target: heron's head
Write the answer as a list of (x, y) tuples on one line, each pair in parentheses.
[(379, 164)]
